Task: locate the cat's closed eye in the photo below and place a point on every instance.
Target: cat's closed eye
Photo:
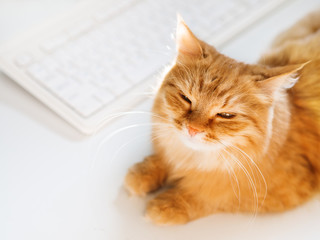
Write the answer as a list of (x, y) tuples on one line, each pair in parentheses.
[(226, 115), (185, 98)]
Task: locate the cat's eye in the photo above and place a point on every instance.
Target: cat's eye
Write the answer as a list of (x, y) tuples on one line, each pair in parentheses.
[(226, 115), (185, 98)]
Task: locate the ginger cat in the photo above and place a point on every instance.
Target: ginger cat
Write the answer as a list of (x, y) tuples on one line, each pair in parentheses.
[(234, 137)]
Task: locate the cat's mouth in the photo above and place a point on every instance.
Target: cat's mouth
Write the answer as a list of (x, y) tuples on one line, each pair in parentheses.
[(198, 142)]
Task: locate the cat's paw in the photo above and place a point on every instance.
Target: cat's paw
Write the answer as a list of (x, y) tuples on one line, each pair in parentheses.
[(167, 209), (139, 182)]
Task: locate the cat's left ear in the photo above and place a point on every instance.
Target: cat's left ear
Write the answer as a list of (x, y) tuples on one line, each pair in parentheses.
[(186, 42), (281, 78)]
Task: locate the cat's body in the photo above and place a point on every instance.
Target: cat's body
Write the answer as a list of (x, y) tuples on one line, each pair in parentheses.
[(229, 136)]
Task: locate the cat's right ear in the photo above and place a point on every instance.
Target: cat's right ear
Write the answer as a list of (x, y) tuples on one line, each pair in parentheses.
[(186, 42), (281, 78)]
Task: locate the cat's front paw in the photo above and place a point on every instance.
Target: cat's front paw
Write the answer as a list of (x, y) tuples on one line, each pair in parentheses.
[(138, 183), (168, 209), (145, 177)]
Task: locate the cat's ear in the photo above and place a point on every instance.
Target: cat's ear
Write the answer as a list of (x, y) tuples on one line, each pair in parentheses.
[(281, 78), (186, 42)]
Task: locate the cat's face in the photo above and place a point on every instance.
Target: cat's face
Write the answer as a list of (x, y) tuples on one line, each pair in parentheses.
[(213, 101)]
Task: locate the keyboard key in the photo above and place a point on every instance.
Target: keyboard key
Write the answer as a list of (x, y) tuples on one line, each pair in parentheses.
[(66, 91), (85, 106), (61, 83), (80, 27), (114, 82), (23, 59), (50, 64), (103, 95), (53, 43), (38, 72)]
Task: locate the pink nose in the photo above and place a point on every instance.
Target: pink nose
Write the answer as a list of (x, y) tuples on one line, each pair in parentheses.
[(193, 131)]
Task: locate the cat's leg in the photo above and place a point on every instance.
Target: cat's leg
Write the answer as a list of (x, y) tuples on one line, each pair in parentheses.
[(277, 202), (146, 176), (174, 206), (285, 191)]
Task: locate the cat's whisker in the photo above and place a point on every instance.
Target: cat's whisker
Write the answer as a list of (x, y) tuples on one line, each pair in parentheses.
[(245, 159), (249, 165), (148, 93), (246, 156), (159, 136), (120, 114), (158, 132), (129, 142), (109, 136), (251, 182), (256, 166), (231, 170), (126, 144), (135, 138)]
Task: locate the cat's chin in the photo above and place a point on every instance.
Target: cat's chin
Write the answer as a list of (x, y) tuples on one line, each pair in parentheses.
[(197, 143)]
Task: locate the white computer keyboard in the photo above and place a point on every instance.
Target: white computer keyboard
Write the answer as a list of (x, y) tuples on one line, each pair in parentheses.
[(101, 58)]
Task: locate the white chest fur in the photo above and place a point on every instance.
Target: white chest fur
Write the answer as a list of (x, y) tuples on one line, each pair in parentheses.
[(190, 153)]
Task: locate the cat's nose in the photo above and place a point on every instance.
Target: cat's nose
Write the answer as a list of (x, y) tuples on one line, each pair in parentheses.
[(193, 131)]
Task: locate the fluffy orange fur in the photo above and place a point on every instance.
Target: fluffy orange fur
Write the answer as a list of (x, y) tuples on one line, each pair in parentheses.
[(235, 137)]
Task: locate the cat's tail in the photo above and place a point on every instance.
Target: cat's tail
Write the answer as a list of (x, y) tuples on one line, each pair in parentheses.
[(298, 44), (303, 29)]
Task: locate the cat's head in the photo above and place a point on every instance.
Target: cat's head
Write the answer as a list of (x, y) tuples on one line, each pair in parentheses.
[(214, 101)]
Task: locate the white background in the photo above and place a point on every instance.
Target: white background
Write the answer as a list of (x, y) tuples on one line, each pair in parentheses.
[(57, 184)]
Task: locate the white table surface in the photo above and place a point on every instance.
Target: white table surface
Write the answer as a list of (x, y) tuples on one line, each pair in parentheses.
[(58, 184)]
